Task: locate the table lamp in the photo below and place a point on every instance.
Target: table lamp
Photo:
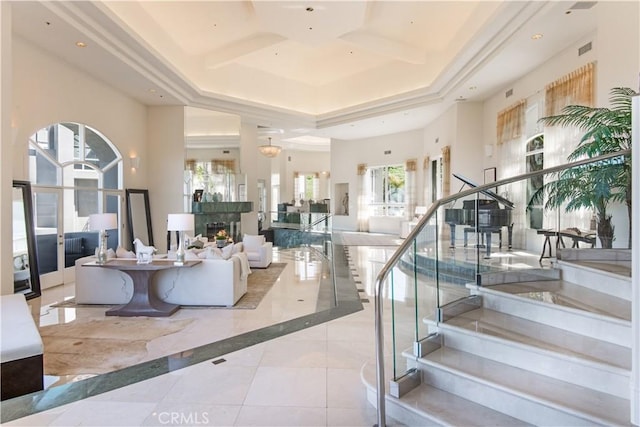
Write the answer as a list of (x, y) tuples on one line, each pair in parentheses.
[(180, 223), (103, 222)]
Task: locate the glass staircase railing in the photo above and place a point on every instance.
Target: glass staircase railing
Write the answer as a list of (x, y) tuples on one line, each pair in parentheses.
[(467, 237), (303, 229)]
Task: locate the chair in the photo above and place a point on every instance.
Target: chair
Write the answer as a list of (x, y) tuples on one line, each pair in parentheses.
[(259, 251)]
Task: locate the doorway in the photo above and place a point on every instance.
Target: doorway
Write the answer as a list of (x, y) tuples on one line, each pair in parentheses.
[(74, 172)]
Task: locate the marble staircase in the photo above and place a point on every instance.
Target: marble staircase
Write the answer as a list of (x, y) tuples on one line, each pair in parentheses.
[(544, 347)]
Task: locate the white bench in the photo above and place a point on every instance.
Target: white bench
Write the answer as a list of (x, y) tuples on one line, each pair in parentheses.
[(21, 349)]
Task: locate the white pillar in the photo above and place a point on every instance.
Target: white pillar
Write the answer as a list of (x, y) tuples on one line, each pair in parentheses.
[(6, 151), (253, 165), (165, 168), (635, 269)]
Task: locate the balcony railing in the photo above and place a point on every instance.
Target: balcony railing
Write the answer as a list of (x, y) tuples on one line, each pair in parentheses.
[(463, 238)]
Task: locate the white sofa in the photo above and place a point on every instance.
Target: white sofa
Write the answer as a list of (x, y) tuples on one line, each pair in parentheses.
[(20, 348), (259, 251), (213, 282)]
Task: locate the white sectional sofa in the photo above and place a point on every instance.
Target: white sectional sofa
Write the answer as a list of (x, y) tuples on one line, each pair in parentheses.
[(20, 348), (213, 282)]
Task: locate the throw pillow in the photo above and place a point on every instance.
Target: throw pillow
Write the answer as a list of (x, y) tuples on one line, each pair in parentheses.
[(238, 247), (227, 251), (213, 253), (190, 255), (123, 253)]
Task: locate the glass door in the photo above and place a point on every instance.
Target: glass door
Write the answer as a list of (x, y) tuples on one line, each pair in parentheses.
[(47, 217)]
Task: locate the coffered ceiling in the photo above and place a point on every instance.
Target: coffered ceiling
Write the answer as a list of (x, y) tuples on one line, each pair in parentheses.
[(307, 69)]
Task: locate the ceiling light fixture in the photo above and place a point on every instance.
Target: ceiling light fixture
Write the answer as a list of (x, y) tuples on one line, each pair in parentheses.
[(536, 36), (81, 44), (270, 150)]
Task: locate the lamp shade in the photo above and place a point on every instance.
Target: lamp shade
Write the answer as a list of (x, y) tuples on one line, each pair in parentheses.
[(103, 221), (180, 222)]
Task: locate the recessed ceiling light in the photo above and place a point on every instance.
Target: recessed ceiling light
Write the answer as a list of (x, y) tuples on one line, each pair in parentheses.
[(536, 36), (473, 87), (81, 44), (152, 90)]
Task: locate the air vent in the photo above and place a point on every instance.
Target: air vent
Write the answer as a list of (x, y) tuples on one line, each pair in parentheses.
[(583, 5), (508, 93), (225, 151), (387, 151), (584, 49)]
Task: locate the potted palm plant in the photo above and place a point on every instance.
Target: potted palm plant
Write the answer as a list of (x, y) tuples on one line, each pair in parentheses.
[(595, 186)]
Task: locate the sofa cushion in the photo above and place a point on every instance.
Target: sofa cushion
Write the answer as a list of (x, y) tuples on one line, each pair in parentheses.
[(252, 243)]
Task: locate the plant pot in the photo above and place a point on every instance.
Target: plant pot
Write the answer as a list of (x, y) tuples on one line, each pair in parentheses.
[(221, 243)]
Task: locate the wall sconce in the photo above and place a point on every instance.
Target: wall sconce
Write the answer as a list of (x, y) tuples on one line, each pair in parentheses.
[(134, 161)]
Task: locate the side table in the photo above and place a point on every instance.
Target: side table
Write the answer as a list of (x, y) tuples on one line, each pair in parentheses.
[(143, 302)]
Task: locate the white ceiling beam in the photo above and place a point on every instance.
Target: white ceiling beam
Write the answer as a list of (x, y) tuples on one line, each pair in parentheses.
[(385, 47), (232, 51)]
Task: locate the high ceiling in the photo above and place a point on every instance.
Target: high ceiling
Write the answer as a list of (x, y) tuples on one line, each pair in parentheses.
[(306, 70)]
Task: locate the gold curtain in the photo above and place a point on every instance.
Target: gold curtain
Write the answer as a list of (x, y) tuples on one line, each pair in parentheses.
[(223, 166), (576, 88), (425, 163), (411, 165), (362, 168), (190, 164), (446, 170), (510, 122)]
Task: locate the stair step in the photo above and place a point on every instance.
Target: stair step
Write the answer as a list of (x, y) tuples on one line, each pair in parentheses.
[(427, 405), (513, 328), (569, 294), (541, 349), (531, 397), (591, 324), (609, 278)]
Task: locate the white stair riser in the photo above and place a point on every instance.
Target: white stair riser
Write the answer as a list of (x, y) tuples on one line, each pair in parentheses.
[(583, 373), (502, 400), (606, 283), (395, 409), (598, 327)]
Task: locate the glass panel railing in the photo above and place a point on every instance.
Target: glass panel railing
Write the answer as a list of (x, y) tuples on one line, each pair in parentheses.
[(483, 233)]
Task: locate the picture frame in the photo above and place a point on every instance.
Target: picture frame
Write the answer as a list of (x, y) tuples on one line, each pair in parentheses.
[(490, 176)]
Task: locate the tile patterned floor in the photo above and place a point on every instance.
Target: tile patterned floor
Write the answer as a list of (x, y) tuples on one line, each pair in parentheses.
[(307, 378)]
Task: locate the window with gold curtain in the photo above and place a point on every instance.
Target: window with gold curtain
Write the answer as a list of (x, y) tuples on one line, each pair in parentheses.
[(410, 201), (510, 122), (576, 88)]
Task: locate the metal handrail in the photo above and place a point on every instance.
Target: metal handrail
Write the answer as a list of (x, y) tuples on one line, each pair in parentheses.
[(318, 221), (395, 257)]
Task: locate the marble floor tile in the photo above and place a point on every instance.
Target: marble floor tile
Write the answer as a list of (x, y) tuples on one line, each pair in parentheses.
[(277, 386), (184, 414), (211, 384), (108, 414), (281, 416)]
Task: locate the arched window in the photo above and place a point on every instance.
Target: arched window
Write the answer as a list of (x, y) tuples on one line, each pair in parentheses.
[(75, 171)]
